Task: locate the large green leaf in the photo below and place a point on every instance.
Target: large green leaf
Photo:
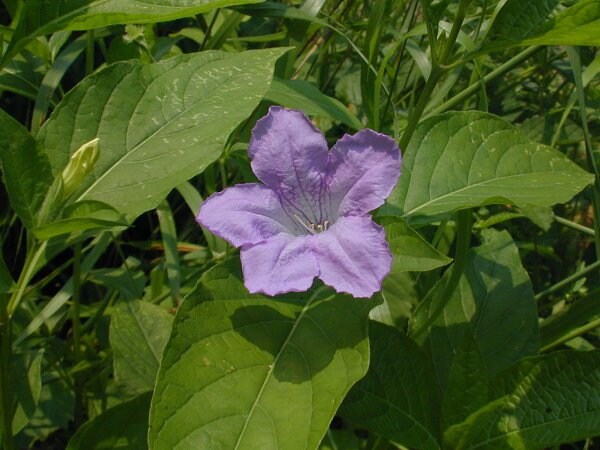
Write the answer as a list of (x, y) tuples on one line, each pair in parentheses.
[(245, 371), (40, 17), (493, 302), (467, 388), (158, 124), (541, 402), (26, 169), (398, 396), (138, 334), (526, 22), (460, 160), (121, 427)]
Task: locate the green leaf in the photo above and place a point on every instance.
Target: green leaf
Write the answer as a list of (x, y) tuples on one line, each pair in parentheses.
[(138, 334), (493, 302), (460, 160), (6, 281), (54, 410), (467, 388), (541, 402), (122, 426), (27, 173), (158, 124), (302, 95), (398, 396), (410, 251), (250, 371), (26, 376), (41, 17), (81, 216), (518, 19), (522, 22)]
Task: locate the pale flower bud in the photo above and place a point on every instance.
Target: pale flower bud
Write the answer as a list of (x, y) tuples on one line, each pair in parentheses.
[(80, 165)]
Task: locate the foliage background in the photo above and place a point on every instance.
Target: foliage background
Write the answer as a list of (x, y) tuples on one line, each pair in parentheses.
[(485, 332)]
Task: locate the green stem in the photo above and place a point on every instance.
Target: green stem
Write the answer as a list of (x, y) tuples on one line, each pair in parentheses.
[(26, 274), (474, 88), (76, 323), (437, 70), (573, 334), (417, 111), (6, 409), (463, 241), (575, 226), (570, 279)]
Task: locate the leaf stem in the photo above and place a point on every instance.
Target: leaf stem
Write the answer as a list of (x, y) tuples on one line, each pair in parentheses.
[(76, 330), (6, 410), (27, 273), (464, 224), (474, 88), (574, 226), (437, 70), (570, 279), (572, 334)]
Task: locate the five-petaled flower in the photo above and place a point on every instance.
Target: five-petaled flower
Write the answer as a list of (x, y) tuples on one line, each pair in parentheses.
[(310, 216)]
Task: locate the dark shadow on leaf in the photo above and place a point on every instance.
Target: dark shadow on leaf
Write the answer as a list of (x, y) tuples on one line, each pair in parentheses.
[(303, 345)]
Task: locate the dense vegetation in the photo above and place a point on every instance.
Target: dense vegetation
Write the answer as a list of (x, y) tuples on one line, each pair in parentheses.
[(125, 324)]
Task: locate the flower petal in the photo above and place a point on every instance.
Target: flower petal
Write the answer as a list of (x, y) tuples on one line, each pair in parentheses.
[(281, 264), (289, 155), (353, 256), (362, 171), (246, 214)]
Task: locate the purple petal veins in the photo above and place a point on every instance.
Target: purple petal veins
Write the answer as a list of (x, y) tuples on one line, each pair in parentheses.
[(310, 217)]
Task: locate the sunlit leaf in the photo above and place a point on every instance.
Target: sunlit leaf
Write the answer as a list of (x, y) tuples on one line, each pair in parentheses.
[(460, 160), (157, 124), (249, 371)]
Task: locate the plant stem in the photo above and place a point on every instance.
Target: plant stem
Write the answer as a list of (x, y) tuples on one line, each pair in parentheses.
[(6, 409), (474, 88), (573, 334), (76, 324), (27, 273), (575, 226), (437, 299), (570, 279), (437, 70)]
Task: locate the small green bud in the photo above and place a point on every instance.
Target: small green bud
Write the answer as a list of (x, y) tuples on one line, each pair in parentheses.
[(80, 165)]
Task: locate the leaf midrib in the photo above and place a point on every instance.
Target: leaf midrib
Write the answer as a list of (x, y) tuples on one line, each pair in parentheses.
[(273, 365), (476, 185)]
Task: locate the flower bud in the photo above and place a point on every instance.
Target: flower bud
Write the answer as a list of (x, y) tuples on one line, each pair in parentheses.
[(80, 165)]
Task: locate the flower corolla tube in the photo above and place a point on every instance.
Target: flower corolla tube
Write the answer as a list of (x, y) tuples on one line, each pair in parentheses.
[(310, 215)]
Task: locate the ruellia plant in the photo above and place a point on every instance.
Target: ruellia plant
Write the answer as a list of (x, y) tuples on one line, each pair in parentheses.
[(302, 224)]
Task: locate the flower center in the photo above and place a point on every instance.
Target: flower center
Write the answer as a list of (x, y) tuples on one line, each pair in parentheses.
[(313, 228)]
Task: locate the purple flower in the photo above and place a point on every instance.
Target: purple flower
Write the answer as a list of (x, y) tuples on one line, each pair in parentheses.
[(310, 217)]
